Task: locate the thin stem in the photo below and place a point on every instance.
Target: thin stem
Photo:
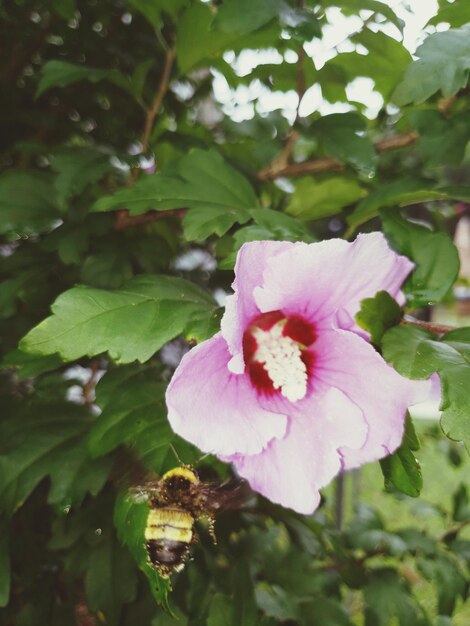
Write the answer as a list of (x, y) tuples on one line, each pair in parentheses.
[(315, 166), (437, 329), (159, 96)]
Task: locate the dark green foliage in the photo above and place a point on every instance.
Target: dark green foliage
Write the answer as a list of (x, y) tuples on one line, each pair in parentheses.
[(126, 190)]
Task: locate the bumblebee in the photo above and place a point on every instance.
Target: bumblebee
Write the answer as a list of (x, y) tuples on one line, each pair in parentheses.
[(176, 501)]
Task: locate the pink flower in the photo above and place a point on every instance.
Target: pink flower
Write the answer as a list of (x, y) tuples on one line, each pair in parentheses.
[(291, 391)]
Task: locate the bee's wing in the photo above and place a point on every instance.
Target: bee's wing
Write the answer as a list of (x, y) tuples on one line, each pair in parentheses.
[(228, 496)]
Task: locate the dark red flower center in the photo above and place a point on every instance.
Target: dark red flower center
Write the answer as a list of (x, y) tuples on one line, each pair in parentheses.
[(275, 349)]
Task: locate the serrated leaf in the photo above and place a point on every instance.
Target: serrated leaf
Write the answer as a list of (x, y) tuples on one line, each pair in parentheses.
[(416, 354), (152, 9), (314, 199), (340, 134), (135, 416), (48, 441), (378, 314), (401, 470), (199, 224), (443, 64), (276, 602), (435, 255), (282, 226), (354, 6), (448, 579), (385, 63), (130, 323), (30, 365), (387, 599), (76, 168), (217, 195), (456, 13), (198, 43), (27, 203), (108, 269), (244, 16), (400, 193), (442, 140), (62, 73), (130, 519)]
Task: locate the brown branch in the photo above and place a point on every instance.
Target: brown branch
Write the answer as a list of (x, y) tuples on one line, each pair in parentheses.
[(159, 96), (438, 329), (316, 166), (124, 220)]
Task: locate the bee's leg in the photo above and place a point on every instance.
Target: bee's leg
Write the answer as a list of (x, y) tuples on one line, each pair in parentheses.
[(211, 521)]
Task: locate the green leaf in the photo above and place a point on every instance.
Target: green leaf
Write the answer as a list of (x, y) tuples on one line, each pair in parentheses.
[(4, 563), (130, 520), (106, 269), (62, 73), (313, 199), (449, 582), (111, 578), (301, 23), (456, 14), (378, 314), (245, 611), (443, 64), (200, 223), (401, 470), (76, 168), (282, 226), (27, 203), (198, 43), (401, 193), (48, 440), (244, 16), (130, 323), (354, 6), (416, 354), (133, 413), (220, 610), (275, 602), (385, 63), (272, 226), (152, 9), (387, 599), (461, 504), (30, 365), (217, 195), (435, 256), (339, 133), (442, 140)]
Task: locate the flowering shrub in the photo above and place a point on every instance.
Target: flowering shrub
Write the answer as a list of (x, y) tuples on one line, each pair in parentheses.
[(149, 148)]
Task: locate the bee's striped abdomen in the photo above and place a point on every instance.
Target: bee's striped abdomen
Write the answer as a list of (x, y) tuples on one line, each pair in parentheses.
[(168, 535)]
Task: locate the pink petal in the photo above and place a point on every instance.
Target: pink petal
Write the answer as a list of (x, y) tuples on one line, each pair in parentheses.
[(290, 471), (215, 410), (318, 280), (347, 362), (240, 308)]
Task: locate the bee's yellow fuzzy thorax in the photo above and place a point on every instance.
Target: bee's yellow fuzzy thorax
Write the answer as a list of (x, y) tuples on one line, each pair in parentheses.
[(184, 472)]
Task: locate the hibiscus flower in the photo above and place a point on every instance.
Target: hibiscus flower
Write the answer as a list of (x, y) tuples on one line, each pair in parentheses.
[(291, 391)]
